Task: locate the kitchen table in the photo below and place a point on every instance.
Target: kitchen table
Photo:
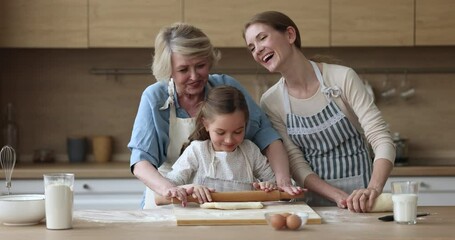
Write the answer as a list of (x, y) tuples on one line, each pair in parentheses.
[(159, 224)]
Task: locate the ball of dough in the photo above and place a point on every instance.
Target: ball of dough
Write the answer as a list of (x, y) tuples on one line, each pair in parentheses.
[(232, 205), (383, 203)]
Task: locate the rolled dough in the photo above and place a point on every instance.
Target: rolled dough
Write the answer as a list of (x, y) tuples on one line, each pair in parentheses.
[(383, 203), (232, 205)]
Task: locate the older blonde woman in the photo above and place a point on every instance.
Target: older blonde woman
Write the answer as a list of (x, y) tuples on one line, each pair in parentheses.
[(165, 118)]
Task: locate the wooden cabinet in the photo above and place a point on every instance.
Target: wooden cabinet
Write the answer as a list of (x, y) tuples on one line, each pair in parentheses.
[(133, 23), (94, 194), (43, 24), (433, 191), (435, 22), (223, 20), (372, 23)]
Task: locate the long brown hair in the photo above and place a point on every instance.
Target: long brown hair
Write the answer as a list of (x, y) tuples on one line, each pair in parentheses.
[(278, 21), (220, 100)]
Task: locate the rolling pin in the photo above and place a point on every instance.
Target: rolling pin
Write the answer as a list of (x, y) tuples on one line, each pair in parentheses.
[(242, 196)]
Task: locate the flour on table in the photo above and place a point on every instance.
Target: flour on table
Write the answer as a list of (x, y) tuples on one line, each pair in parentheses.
[(232, 205)]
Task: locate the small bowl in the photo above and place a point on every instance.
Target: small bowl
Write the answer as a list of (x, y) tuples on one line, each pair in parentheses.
[(277, 220), (22, 209)]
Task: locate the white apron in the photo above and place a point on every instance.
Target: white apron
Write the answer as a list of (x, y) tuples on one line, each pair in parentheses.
[(225, 185), (179, 131)]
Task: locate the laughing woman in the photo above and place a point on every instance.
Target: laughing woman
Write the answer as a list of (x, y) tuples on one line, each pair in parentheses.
[(325, 116)]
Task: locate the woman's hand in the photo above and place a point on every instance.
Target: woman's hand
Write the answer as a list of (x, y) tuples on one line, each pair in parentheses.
[(286, 186), (201, 193), (278, 159), (264, 186), (362, 200)]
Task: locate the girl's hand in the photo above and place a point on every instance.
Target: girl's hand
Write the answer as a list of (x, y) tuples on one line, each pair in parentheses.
[(362, 200), (201, 193), (265, 186), (178, 192)]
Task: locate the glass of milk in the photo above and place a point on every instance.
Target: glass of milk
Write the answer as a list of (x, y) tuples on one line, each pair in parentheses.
[(58, 191), (404, 197)]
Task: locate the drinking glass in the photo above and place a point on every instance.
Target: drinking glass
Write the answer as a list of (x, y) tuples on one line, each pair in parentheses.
[(404, 197), (58, 191)]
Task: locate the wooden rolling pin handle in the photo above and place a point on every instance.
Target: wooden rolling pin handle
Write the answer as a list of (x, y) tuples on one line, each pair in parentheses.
[(287, 196)]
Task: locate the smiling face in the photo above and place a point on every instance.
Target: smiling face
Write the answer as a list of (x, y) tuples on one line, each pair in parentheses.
[(226, 131), (190, 74), (268, 46)]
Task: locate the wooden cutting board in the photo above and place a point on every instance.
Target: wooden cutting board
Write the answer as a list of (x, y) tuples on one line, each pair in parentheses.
[(194, 215)]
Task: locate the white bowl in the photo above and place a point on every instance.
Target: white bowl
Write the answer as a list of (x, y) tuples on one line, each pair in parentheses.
[(22, 209)]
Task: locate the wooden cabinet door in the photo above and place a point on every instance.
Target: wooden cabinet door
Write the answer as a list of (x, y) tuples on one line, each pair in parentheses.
[(435, 22), (43, 24), (372, 23), (223, 20), (132, 23)]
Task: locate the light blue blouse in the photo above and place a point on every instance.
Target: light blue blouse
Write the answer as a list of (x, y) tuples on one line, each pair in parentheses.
[(150, 135)]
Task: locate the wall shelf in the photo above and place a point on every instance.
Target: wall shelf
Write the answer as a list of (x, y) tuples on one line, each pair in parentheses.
[(145, 71)]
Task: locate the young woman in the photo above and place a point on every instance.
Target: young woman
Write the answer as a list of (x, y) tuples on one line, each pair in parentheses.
[(219, 158), (325, 116)]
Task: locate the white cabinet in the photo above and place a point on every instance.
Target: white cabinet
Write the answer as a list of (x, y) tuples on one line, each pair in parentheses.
[(99, 194), (433, 191)]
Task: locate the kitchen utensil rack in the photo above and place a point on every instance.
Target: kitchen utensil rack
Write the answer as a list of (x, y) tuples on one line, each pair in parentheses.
[(146, 71)]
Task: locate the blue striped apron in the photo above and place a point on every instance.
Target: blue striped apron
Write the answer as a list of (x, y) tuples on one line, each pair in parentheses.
[(335, 150)]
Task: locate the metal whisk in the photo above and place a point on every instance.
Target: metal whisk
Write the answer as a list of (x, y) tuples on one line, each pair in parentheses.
[(8, 160)]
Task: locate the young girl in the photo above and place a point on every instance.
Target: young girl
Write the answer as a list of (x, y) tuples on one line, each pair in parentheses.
[(219, 158)]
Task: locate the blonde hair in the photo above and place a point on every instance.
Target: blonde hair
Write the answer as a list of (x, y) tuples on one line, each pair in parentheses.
[(183, 39)]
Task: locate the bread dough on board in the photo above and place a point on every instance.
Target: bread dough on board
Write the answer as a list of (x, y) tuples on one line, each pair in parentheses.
[(383, 203), (232, 205)]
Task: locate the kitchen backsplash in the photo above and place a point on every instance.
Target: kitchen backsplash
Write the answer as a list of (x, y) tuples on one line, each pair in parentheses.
[(55, 95)]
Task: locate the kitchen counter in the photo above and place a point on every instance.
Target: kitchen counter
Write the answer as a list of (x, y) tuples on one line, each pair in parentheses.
[(426, 171), (83, 170), (122, 170), (337, 224)]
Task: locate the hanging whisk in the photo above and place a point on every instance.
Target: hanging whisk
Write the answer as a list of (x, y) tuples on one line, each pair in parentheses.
[(8, 160)]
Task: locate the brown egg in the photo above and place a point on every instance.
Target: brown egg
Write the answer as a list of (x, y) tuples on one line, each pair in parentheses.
[(277, 221), (293, 222)]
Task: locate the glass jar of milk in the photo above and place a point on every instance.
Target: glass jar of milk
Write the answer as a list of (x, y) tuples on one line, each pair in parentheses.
[(404, 197), (58, 191)]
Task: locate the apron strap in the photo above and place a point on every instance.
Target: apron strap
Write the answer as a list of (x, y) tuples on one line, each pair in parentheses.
[(330, 92), (170, 99)]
